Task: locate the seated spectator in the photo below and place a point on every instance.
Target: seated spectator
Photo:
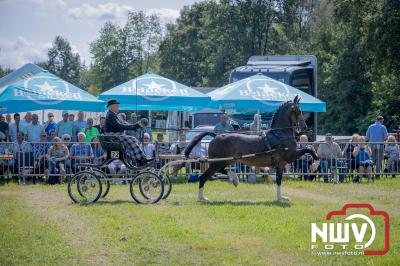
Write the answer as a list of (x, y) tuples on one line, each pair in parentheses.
[(66, 139), (49, 125), (306, 160), (362, 154), (81, 152), (5, 165), (56, 156), (40, 150), (20, 146), (98, 152), (330, 155), (163, 147), (34, 129), (53, 134), (90, 131), (392, 152), (179, 147), (348, 152), (117, 168), (147, 147)]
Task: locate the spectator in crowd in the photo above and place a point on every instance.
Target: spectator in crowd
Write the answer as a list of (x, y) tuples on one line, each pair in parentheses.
[(66, 138), (71, 118), (26, 121), (362, 154), (224, 125), (306, 160), (122, 116), (53, 134), (8, 119), (81, 152), (20, 146), (4, 150), (392, 152), (117, 168), (101, 127), (348, 152), (49, 125), (40, 150), (80, 123), (256, 124), (34, 129), (4, 128), (377, 132), (163, 147), (98, 152), (132, 121), (179, 147), (90, 131), (65, 126), (330, 155), (15, 128), (144, 122), (147, 147), (56, 156)]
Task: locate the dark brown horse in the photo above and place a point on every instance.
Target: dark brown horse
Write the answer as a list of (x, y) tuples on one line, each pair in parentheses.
[(275, 149)]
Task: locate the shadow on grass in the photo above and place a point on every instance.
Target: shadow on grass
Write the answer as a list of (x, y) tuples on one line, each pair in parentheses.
[(283, 204)]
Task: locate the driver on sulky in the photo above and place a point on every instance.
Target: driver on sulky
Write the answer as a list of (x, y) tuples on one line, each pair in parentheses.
[(115, 126)]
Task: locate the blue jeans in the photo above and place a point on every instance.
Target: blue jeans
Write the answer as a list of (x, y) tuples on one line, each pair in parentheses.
[(303, 166), (332, 165)]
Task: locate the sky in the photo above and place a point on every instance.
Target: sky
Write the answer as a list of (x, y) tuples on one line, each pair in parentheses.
[(28, 27)]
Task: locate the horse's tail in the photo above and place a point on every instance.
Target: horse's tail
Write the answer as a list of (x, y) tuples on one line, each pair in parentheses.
[(196, 140)]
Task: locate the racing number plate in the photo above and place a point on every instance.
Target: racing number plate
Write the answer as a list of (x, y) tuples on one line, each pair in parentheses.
[(115, 154)]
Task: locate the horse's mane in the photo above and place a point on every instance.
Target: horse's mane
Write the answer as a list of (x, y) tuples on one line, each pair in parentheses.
[(278, 113)]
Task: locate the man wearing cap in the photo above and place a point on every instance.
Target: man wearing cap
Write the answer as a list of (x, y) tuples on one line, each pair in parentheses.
[(114, 126), (65, 126), (377, 132), (330, 155)]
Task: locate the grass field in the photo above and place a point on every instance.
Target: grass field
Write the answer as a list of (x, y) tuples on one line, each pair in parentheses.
[(241, 226)]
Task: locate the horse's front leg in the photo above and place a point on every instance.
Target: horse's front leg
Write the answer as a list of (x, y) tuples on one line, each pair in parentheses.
[(279, 174), (301, 152)]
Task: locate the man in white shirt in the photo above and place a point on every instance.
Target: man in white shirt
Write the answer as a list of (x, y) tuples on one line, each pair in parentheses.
[(34, 129), (26, 121)]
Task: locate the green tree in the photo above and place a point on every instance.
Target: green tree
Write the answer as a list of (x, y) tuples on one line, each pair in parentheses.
[(63, 62), (123, 53)]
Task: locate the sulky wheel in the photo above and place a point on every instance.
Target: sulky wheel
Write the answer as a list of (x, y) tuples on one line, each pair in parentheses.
[(103, 178), (85, 187), (167, 186), (147, 188)]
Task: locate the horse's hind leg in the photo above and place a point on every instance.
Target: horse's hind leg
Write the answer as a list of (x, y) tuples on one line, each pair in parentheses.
[(205, 176)]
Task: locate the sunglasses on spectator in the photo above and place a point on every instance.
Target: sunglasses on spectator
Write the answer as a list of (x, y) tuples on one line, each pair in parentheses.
[(66, 138)]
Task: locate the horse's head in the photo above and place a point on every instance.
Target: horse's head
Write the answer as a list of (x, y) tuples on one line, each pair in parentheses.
[(296, 118)]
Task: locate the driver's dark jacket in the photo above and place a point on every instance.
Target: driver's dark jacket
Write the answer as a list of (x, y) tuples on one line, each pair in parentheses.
[(115, 125)]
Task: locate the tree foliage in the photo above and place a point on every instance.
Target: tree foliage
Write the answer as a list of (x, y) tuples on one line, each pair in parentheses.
[(63, 62), (120, 54)]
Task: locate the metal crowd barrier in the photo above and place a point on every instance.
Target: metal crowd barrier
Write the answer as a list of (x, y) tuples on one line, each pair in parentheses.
[(29, 164)]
